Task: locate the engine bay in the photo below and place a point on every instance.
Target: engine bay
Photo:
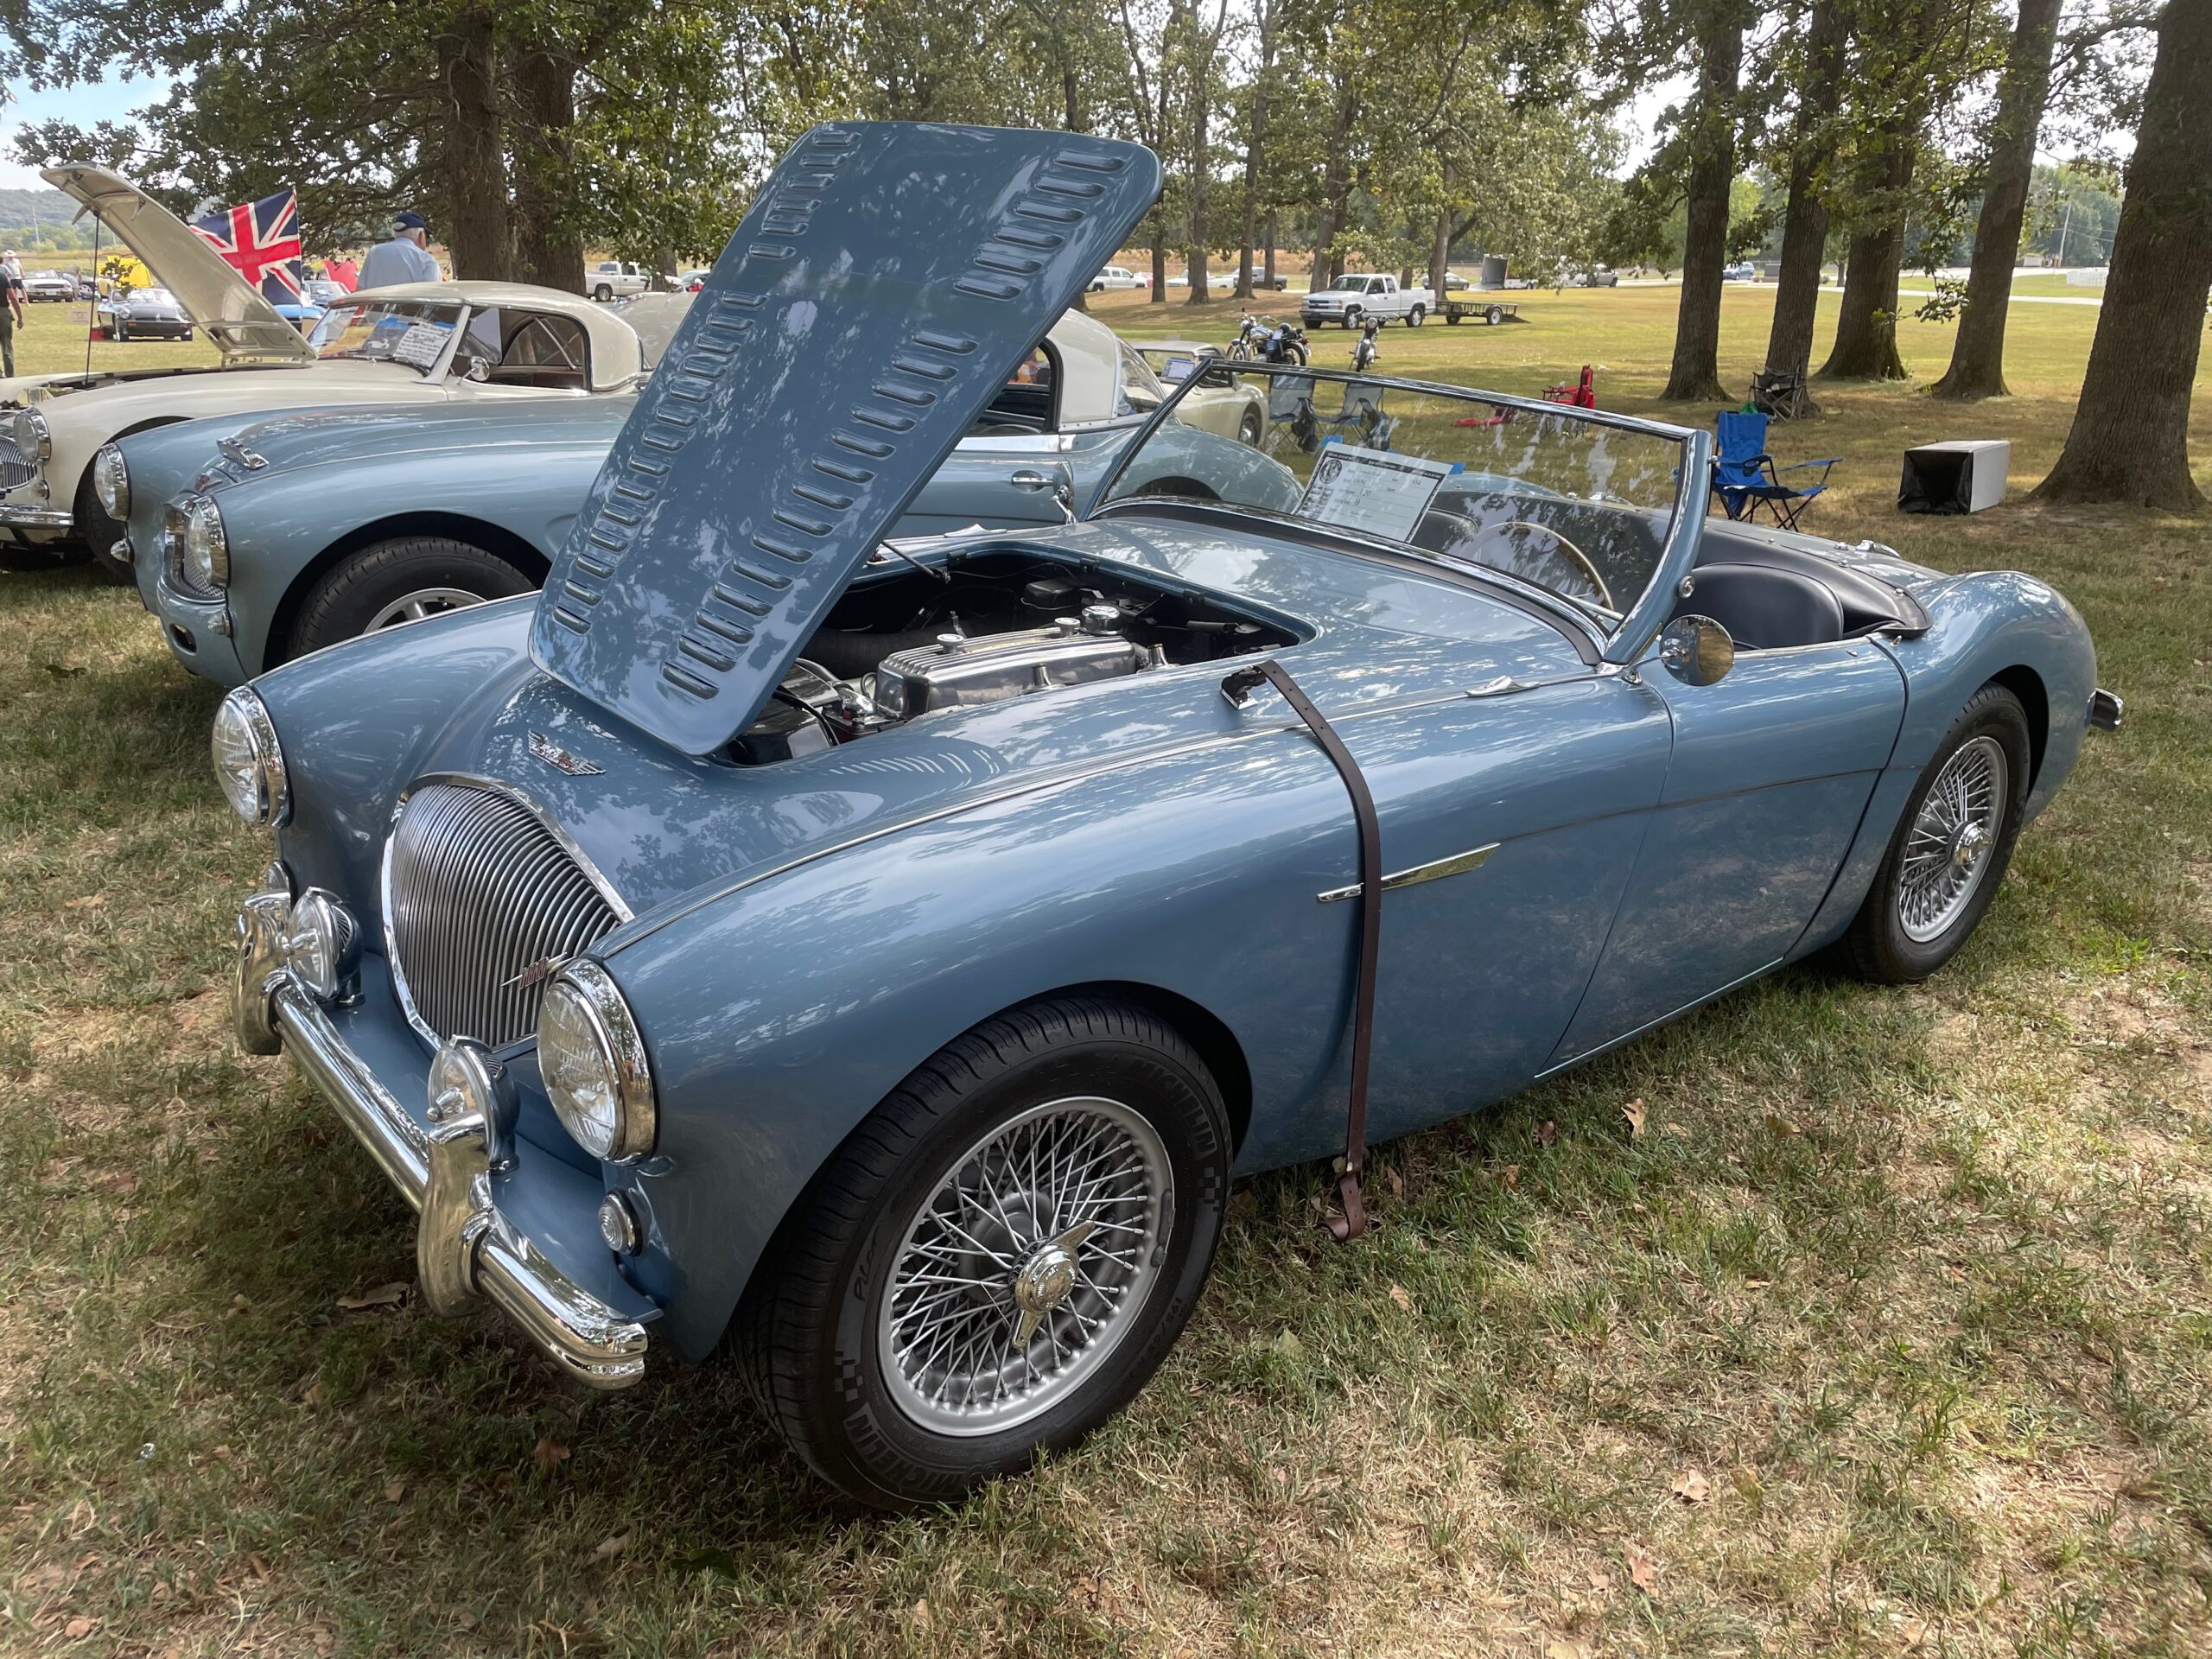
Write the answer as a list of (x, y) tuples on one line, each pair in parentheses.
[(987, 625)]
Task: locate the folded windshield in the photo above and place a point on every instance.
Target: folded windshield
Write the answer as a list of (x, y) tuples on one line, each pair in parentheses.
[(1578, 505)]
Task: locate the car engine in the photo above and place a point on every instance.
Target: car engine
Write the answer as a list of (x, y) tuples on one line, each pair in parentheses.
[(994, 625)]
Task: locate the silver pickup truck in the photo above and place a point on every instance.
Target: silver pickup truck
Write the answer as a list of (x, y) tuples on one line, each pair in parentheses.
[(1351, 300)]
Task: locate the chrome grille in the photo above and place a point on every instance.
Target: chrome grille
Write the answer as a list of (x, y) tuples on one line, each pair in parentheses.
[(482, 896), (14, 469)]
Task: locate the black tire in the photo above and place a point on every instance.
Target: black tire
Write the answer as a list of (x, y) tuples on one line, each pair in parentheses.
[(350, 597), (1250, 428), (1495, 315), (100, 533), (807, 1333), (1878, 946), (1296, 354), (122, 333), (38, 558), (602, 292), (1415, 317)]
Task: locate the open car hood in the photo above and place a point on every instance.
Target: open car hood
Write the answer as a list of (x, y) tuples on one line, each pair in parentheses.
[(887, 281), (245, 327)]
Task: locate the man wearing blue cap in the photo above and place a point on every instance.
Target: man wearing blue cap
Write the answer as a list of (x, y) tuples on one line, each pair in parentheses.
[(403, 259)]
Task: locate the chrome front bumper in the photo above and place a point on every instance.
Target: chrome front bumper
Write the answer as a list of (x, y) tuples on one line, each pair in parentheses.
[(464, 1247), (30, 518)]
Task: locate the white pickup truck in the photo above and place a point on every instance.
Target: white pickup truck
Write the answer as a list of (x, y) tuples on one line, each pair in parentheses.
[(614, 279), (1350, 301)]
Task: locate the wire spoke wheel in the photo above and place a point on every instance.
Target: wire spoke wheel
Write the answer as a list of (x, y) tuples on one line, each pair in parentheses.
[(1947, 854), (422, 602), (1026, 1266)]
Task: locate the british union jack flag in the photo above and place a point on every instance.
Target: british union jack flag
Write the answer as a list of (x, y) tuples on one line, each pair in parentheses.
[(261, 239)]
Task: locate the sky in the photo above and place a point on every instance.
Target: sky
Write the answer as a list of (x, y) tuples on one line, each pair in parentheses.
[(104, 100)]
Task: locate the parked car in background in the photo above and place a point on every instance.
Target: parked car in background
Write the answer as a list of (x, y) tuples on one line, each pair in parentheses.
[(47, 286), (1220, 403), (875, 966), (1111, 277), (315, 296), (256, 541), (142, 314), (87, 288), (1350, 299), (1742, 271), (1594, 277), (612, 279), (467, 341)]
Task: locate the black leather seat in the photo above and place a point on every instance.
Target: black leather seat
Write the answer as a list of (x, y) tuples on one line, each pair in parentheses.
[(1764, 608)]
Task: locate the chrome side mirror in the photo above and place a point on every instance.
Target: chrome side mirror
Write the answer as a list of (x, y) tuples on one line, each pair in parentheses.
[(475, 368), (1696, 649)]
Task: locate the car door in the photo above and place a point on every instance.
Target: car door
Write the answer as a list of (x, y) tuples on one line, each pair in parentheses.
[(1772, 769), (1510, 826)]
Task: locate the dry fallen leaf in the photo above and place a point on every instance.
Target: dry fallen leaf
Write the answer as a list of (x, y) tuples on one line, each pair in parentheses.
[(1642, 1571), (1566, 1650), (390, 1296), (1757, 1284), (1402, 1297), (922, 1612), (549, 1454), (1634, 1112), (607, 1548), (394, 1490), (1691, 1487), (1509, 1178), (1546, 1132), (1395, 1181), (76, 1628), (1746, 1483)]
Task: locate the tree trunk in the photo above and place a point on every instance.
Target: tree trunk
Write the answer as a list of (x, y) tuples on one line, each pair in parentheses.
[(1271, 250), (1695, 375), (1440, 242), (1196, 261), (1336, 189), (547, 252), (1805, 222), (1866, 323), (1159, 268), (479, 238), (1978, 355), (2130, 438)]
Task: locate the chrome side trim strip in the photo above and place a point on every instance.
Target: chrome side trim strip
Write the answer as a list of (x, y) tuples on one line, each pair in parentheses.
[(1435, 870)]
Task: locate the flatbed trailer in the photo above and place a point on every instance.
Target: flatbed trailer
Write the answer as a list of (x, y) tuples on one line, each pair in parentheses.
[(1481, 304)]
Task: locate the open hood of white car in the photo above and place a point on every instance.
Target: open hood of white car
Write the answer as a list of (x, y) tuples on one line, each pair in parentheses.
[(245, 327)]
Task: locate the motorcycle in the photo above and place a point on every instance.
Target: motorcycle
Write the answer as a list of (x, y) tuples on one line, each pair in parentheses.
[(1365, 349), (1262, 339)]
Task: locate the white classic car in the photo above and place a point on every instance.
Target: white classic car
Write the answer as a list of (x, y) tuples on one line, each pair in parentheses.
[(1220, 403), (408, 343)]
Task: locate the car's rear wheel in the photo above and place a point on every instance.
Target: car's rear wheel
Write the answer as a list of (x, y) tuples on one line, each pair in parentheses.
[(602, 292), (997, 1258), (1250, 427), (1952, 845), (400, 580)]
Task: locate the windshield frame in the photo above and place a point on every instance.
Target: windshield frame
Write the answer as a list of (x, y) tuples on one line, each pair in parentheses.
[(1639, 626)]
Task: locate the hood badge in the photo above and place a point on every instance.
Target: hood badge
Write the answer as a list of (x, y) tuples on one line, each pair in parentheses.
[(537, 974), (560, 760)]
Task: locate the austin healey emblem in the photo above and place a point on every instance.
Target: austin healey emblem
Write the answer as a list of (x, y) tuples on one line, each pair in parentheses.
[(560, 760)]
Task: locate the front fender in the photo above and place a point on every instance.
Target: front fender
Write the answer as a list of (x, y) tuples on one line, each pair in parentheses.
[(779, 1015)]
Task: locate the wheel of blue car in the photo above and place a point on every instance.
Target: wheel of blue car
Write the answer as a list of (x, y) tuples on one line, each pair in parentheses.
[(403, 580), (1951, 847), (998, 1259)]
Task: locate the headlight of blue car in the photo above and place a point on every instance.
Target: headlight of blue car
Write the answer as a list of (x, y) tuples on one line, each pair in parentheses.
[(249, 761), (206, 554), (112, 481), (593, 1062)]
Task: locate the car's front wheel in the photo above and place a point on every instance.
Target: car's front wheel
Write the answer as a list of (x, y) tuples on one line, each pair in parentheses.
[(1952, 845), (404, 579), (997, 1258), (1250, 427)]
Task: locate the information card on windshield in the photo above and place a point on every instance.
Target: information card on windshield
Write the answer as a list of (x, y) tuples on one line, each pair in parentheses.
[(1372, 490)]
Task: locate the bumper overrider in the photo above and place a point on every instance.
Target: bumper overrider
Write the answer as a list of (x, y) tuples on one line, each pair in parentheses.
[(465, 1248)]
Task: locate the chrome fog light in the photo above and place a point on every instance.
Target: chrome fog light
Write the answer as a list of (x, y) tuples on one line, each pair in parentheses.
[(592, 1060), (206, 553), (112, 481), (466, 1082), (618, 1224), (321, 946), (249, 761)]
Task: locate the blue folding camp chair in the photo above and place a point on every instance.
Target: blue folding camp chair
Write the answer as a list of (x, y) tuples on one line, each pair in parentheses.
[(1746, 478)]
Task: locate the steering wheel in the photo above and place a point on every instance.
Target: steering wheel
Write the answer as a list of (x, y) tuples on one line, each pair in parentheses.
[(1590, 570)]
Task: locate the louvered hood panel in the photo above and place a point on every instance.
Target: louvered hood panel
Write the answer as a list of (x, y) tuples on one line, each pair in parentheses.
[(887, 281)]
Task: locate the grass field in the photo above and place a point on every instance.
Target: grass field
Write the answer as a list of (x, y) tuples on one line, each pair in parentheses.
[(1891, 1331)]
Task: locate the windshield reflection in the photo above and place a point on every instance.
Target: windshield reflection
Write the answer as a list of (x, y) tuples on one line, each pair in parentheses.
[(1579, 506)]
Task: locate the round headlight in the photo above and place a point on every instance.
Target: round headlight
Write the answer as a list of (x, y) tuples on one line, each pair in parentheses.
[(318, 943), (112, 481), (593, 1062), (249, 764), (206, 555), (34, 438)]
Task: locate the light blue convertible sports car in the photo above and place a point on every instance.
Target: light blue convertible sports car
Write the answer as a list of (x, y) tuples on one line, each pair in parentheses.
[(876, 964), (256, 541)]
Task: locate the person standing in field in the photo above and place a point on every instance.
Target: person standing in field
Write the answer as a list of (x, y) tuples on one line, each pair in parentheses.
[(405, 259), (11, 312)]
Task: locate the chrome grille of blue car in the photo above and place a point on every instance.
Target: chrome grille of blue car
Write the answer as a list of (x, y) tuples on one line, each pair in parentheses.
[(482, 899)]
